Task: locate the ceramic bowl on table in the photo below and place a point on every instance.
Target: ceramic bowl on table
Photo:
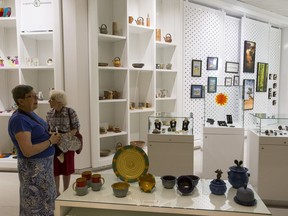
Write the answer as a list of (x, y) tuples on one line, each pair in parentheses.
[(120, 189), (147, 183), (168, 181), (195, 179), (139, 144), (185, 185)]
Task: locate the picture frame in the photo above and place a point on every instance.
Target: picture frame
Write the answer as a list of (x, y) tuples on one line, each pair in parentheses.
[(212, 85), (236, 80), (248, 93), (249, 56), (262, 77), (196, 68), (196, 91), (212, 63), (231, 67), (228, 81)]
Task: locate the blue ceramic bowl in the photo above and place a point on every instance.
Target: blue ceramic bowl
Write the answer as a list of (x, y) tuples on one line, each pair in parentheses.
[(168, 181), (218, 187)]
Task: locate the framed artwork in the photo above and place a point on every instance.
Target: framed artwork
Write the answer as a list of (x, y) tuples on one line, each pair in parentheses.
[(196, 91), (249, 56), (212, 63), (196, 68), (262, 77), (248, 93), (236, 80), (231, 67), (212, 85), (228, 81)]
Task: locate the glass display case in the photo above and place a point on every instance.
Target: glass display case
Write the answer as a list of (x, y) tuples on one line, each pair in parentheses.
[(269, 124), (223, 106), (170, 123)]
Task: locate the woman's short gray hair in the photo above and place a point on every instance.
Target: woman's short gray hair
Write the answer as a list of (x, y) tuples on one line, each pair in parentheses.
[(59, 96)]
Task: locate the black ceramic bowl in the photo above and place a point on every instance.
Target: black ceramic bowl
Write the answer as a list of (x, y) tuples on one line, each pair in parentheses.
[(185, 185), (195, 179), (168, 181)]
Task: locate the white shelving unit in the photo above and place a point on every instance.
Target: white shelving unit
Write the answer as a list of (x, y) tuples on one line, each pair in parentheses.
[(138, 86), (32, 48)]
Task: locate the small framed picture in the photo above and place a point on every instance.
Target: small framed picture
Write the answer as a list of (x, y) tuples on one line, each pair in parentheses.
[(212, 85), (231, 67), (248, 93), (228, 81), (236, 80), (196, 68), (212, 63), (196, 91)]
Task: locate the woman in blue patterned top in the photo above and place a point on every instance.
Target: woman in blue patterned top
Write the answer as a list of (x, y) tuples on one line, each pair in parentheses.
[(64, 120), (35, 151)]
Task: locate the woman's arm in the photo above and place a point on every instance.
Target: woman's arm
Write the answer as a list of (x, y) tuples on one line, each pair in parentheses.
[(24, 140)]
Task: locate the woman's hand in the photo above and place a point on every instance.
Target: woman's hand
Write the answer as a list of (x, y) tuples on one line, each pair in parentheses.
[(55, 138)]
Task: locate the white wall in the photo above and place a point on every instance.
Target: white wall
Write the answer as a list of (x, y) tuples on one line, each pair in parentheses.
[(76, 73)]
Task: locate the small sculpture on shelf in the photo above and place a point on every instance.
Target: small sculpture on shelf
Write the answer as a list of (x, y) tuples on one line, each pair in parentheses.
[(168, 38), (218, 186), (103, 29), (1, 62), (116, 62), (185, 124)]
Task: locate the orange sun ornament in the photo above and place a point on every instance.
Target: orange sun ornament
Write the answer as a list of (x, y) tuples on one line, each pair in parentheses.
[(221, 99)]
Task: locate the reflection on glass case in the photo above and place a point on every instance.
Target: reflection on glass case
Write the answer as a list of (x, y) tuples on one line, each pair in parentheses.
[(170, 123), (224, 108), (265, 124)]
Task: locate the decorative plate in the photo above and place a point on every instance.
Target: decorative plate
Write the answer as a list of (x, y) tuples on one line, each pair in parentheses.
[(130, 163)]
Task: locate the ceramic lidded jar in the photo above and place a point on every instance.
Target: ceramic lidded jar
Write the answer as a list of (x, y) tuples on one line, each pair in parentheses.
[(218, 186), (238, 176)]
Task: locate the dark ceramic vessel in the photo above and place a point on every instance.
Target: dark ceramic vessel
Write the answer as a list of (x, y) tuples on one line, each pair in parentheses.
[(218, 187)]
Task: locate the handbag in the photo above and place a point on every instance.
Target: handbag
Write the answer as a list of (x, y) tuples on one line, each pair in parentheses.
[(70, 142)]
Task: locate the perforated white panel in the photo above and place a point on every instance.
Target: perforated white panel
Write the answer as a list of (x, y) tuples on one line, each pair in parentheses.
[(211, 33)]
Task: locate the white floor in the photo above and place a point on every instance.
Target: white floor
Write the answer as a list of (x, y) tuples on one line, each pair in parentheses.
[(9, 185)]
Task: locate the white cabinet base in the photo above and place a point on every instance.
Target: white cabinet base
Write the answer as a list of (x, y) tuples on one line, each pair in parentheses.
[(268, 167), (171, 154), (221, 146)]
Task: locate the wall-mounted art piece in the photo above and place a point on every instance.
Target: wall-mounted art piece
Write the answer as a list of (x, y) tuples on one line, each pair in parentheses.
[(212, 85), (212, 63), (228, 81), (231, 67), (196, 68), (196, 91), (262, 77), (248, 93), (249, 56), (236, 80)]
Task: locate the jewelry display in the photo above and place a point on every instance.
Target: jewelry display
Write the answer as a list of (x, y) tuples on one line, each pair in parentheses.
[(157, 124), (229, 119), (173, 124), (185, 124), (211, 121), (222, 123)]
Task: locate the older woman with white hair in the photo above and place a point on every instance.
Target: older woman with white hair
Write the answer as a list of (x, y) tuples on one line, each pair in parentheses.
[(62, 119)]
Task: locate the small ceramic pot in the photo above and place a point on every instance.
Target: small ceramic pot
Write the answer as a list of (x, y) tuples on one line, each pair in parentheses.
[(218, 187), (238, 176)]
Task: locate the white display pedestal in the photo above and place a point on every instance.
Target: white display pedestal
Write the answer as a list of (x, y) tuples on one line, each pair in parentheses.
[(171, 154), (161, 201), (221, 146), (268, 167)]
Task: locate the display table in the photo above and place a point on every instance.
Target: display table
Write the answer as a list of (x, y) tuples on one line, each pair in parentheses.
[(221, 146), (161, 201)]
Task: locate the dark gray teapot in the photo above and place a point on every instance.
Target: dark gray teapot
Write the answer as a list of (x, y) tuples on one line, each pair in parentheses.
[(103, 29)]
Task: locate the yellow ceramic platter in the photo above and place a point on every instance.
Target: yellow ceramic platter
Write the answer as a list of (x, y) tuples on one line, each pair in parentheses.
[(130, 163)]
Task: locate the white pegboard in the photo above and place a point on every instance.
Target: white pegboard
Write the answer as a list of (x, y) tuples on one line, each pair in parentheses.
[(212, 33)]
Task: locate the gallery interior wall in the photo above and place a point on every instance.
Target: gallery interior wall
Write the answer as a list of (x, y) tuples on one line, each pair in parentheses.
[(213, 33)]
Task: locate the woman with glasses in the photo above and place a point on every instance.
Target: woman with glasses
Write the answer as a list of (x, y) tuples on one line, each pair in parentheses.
[(64, 120), (35, 153)]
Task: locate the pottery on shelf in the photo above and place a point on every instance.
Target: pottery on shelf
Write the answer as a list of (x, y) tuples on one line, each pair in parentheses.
[(218, 186), (103, 29)]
